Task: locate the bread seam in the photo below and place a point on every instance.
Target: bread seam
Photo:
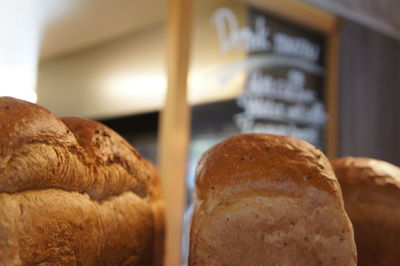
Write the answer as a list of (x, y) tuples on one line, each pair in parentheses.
[(90, 166), (102, 200)]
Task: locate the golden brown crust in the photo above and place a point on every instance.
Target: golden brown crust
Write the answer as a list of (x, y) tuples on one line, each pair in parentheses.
[(367, 171), (39, 151), (371, 191), (117, 231), (155, 191), (31, 136), (118, 166), (249, 158), (268, 200), (73, 192), (23, 122), (157, 203), (101, 143)]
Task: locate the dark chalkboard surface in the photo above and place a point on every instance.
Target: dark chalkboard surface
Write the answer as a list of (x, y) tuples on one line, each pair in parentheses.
[(284, 87), (283, 92)]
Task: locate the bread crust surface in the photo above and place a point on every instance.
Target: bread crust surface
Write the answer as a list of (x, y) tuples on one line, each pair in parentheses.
[(73, 192), (268, 200), (371, 191)]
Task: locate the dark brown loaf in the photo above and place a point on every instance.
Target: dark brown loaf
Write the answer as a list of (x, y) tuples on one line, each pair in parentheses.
[(371, 191), (268, 200), (71, 193)]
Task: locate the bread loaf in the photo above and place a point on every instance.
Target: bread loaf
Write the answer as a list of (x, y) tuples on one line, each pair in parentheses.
[(72, 192), (158, 208), (371, 191), (268, 200)]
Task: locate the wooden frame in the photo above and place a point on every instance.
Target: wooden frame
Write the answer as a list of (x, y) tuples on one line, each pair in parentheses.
[(175, 119)]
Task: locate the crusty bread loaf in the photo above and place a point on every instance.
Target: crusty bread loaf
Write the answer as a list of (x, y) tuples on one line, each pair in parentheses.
[(155, 194), (268, 200), (371, 191), (72, 192)]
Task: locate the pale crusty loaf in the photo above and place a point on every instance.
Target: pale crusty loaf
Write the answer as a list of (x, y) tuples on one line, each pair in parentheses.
[(72, 192), (371, 191), (268, 200)]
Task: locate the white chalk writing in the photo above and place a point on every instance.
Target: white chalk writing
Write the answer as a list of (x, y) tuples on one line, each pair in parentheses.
[(231, 36), (289, 89), (290, 108), (295, 46)]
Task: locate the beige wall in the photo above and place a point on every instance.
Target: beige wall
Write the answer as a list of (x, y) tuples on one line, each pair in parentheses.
[(127, 75), (116, 78)]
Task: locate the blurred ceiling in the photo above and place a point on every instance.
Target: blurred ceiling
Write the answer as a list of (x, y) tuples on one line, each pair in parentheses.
[(95, 21)]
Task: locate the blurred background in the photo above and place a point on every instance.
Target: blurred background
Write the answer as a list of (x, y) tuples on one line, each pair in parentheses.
[(250, 70)]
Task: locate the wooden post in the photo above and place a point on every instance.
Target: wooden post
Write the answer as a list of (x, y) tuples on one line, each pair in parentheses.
[(175, 126), (332, 92)]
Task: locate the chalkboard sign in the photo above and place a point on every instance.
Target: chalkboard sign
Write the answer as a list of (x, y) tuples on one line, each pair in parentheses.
[(284, 90)]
